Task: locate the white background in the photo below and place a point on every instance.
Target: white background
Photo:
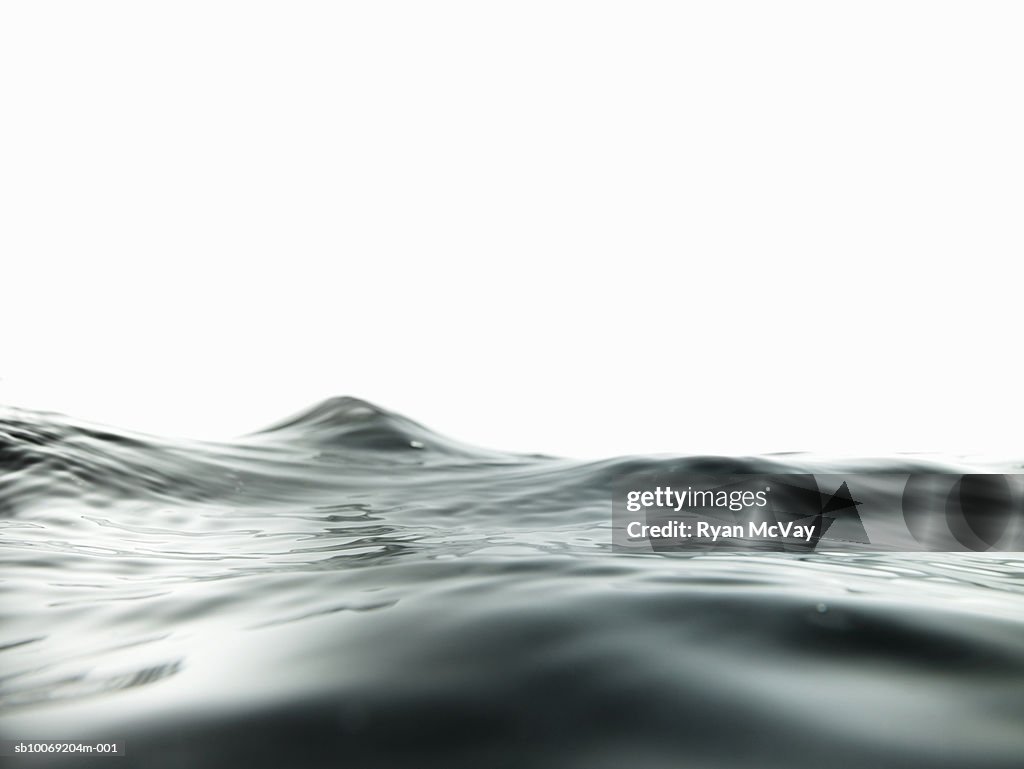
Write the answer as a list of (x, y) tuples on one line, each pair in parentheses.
[(579, 228)]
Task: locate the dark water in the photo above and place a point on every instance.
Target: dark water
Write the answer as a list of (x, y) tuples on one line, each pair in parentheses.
[(349, 589)]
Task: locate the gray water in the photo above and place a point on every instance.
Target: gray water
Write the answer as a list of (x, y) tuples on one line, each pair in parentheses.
[(349, 589)]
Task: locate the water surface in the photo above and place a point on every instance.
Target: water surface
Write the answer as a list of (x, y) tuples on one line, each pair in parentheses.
[(350, 589)]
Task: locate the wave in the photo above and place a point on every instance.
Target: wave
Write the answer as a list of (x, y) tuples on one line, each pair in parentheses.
[(348, 585)]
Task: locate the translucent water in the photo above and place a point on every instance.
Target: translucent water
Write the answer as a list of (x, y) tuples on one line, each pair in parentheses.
[(351, 589)]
